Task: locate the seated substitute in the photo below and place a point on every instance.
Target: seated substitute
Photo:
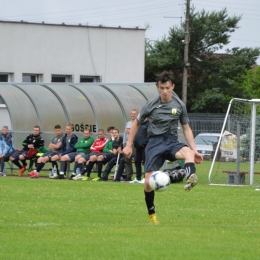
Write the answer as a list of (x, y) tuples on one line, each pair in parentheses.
[(104, 157), (54, 149), (117, 149), (32, 141), (96, 149), (6, 148), (68, 142), (82, 148)]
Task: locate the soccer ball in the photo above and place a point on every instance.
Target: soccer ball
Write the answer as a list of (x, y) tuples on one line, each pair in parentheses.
[(159, 181)]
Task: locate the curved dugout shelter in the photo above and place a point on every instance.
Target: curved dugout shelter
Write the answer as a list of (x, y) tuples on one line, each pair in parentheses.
[(47, 104)]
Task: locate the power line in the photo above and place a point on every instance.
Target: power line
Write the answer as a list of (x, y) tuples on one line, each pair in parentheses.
[(103, 7), (106, 13)]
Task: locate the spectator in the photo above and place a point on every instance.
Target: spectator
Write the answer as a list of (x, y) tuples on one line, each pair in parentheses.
[(96, 149), (32, 141), (128, 161), (82, 148), (6, 148), (54, 149), (68, 142), (140, 142)]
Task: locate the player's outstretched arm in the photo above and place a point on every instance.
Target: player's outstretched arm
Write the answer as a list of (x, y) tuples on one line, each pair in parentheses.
[(190, 140)]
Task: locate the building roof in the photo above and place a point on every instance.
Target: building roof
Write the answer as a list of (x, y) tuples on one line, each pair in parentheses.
[(100, 26)]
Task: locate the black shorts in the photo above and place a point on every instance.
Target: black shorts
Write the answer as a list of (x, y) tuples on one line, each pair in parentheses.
[(107, 157), (159, 149), (72, 156), (87, 156), (7, 156), (50, 154), (18, 153)]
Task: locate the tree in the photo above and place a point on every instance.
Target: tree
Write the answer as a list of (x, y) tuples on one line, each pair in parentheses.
[(209, 33), (251, 82), (159, 56), (206, 100)]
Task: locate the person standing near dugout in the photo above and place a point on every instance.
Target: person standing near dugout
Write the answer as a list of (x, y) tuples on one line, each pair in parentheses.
[(164, 112), (128, 161)]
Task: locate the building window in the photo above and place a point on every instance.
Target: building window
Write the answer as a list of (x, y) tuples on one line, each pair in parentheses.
[(30, 78), (89, 78), (61, 78), (3, 77)]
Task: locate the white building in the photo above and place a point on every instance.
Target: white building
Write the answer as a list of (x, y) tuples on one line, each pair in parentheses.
[(39, 52)]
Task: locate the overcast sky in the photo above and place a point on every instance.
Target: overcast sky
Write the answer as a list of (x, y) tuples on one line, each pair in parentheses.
[(159, 14)]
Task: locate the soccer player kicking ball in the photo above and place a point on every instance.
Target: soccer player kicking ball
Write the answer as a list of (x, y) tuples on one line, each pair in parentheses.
[(164, 112)]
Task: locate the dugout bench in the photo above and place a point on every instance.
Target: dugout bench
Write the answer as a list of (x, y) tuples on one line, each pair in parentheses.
[(236, 178)]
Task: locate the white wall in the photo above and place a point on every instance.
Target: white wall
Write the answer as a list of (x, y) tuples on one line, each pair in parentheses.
[(116, 54)]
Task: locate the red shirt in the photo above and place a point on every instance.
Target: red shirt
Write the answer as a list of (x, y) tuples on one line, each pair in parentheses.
[(98, 145)]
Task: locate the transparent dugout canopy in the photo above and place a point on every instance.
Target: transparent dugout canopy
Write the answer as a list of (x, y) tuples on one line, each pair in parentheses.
[(96, 105)]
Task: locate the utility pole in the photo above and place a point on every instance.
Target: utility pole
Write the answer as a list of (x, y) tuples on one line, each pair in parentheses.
[(186, 54)]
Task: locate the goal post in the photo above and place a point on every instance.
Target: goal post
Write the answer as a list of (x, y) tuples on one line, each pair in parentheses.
[(236, 159)]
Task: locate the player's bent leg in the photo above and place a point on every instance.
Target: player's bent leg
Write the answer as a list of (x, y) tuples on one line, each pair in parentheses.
[(65, 158), (100, 158), (188, 155), (81, 160), (22, 169), (39, 160), (93, 158), (77, 157), (55, 158), (45, 159)]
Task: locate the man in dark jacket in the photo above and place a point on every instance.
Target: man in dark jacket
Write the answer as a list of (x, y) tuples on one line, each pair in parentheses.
[(32, 141)]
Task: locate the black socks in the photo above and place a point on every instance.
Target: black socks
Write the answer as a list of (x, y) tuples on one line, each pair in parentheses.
[(149, 199), (17, 163), (90, 167), (189, 169), (99, 165), (39, 166)]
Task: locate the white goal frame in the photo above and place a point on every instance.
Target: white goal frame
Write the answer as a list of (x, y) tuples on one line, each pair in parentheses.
[(252, 139)]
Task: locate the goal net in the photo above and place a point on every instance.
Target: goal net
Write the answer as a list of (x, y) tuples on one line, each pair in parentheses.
[(236, 155)]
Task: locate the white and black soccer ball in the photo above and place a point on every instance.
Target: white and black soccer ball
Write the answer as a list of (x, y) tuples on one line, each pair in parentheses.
[(159, 181)]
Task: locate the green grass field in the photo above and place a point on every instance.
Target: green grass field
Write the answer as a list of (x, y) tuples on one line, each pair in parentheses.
[(61, 219)]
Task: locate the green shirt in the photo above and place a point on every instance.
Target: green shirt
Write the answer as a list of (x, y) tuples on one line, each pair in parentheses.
[(84, 144), (108, 146)]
